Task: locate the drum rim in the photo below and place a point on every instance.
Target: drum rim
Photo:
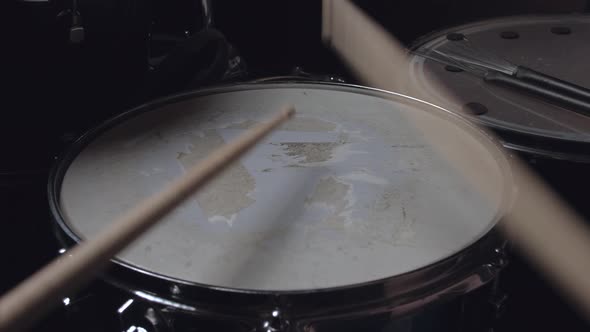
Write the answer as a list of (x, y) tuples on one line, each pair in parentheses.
[(490, 245), (511, 138)]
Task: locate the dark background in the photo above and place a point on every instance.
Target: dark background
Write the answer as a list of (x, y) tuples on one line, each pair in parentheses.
[(53, 91)]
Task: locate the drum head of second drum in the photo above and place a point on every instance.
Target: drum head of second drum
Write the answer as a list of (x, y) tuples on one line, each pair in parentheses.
[(553, 45), (347, 192)]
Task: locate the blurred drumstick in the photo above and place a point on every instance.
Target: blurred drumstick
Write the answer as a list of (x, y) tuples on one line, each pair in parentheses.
[(32, 298), (549, 233)]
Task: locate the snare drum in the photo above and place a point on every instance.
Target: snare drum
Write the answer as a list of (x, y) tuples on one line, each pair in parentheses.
[(344, 219), (556, 141)]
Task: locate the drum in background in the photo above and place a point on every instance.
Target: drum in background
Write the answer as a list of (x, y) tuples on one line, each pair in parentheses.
[(554, 140), (344, 219)]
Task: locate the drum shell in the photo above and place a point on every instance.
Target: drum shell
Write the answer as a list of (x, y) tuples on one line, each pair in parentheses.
[(98, 308)]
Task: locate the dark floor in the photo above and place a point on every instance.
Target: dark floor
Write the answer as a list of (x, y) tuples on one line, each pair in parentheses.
[(55, 91)]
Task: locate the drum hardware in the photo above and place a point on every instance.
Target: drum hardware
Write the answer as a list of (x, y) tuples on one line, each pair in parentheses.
[(497, 300), (484, 311), (153, 313), (162, 42), (535, 155), (207, 13), (200, 59), (76, 29), (185, 51), (299, 74), (196, 56), (95, 310), (136, 315), (299, 71), (237, 67), (274, 322)]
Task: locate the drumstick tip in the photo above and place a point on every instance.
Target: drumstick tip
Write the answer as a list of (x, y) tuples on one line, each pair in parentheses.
[(289, 111)]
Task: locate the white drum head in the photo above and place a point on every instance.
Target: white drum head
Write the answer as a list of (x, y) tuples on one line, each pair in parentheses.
[(346, 192)]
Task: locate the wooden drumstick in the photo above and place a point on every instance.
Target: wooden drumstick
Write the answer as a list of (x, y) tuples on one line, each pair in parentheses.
[(550, 234), (28, 301)]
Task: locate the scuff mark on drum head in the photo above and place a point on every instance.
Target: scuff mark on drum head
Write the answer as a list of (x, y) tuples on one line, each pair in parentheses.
[(363, 176), (225, 195), (223, 219), (331, 192), (336, 197), (309, 152)]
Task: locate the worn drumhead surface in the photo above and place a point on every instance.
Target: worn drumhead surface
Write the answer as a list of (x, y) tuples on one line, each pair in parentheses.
[(554, 45), (346, 192)]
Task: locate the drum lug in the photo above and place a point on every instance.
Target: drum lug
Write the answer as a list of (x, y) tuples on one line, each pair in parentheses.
[(274, 322), (299, 71), (86, 309), (72, 305), (62, 251), (136, 316), (500, 260), (496, 303), (493, 303)]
